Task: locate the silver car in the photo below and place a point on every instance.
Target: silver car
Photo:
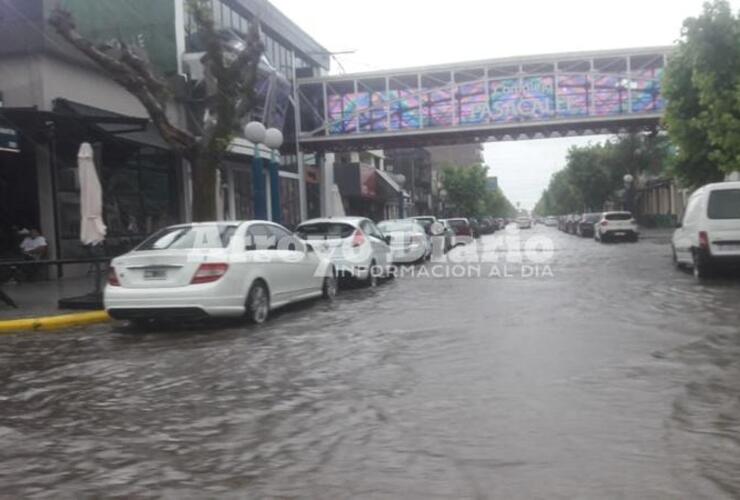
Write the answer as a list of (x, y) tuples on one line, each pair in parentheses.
[(354, 245)]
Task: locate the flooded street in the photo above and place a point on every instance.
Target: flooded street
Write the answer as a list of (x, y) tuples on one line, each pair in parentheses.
[(615, 377)]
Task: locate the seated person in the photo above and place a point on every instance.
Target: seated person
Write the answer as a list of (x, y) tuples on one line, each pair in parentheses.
[(34, 247)]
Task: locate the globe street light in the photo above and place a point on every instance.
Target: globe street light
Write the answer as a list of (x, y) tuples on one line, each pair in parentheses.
[(273, 140), (255, 133)]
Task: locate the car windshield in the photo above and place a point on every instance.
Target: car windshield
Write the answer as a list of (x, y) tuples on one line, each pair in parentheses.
[(591, 217), (457, 223), (189, 237), (618, 216), (325, 230), (724, 204)]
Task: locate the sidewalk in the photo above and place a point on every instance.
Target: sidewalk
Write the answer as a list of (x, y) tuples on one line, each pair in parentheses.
[(660, 234), (40, 298)]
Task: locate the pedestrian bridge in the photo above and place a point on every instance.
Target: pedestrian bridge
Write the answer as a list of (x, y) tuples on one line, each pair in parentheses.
[(501, 99)]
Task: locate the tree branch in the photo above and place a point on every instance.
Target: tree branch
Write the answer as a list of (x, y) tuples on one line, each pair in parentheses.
[(132, 74)]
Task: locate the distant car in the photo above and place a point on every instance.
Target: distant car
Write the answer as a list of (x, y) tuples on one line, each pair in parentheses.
[(474, 226), (409, 242), (616, 225), (463, 231), (551, 221), (708, 237), (488, 225), (355, 246), (424, 221), (524, 222), (562, 222), (585, 226), (215, 269), (572, 223)]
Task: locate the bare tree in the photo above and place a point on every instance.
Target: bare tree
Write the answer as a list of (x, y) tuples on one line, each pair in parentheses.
[(230, 78)]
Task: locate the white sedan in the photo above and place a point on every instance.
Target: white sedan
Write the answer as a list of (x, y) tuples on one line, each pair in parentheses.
[(216, 269)]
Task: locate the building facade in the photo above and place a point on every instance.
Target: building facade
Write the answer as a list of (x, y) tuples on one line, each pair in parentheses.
[(415, 167), (53, 99)]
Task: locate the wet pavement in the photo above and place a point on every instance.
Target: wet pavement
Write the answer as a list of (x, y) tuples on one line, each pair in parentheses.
[(610, 376)]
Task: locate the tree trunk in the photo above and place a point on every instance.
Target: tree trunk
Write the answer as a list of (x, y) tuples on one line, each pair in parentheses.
[(204, 188)]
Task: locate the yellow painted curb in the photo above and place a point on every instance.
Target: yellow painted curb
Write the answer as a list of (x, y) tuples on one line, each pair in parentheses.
[(54, 322)]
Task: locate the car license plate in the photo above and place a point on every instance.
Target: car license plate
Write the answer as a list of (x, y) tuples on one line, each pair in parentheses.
[(155, 274)]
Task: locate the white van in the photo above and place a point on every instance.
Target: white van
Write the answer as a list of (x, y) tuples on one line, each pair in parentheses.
[(709, 233)]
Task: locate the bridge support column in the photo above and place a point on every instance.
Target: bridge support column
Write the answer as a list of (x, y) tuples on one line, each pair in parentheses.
[(327, 182)]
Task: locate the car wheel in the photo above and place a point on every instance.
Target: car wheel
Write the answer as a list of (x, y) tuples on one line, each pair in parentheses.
[(258, 303), (674, 258), (372, 276), (702, 268), (330, 287), (390, 273)]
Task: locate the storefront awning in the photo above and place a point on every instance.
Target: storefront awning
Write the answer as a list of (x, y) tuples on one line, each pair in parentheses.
[(388, 186), (128, 128)]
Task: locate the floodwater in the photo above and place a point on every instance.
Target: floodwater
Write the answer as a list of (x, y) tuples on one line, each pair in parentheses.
[(607, 375)]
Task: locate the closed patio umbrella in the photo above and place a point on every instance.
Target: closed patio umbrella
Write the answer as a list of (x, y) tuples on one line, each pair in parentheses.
[(92, 228)]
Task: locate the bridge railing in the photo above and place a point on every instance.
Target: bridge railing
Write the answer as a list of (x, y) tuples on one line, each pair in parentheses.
[(478, 96)]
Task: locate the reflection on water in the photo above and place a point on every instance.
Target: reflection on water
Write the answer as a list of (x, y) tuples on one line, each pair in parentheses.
[(617, 377)]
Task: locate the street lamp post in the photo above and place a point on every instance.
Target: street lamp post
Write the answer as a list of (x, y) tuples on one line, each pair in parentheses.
[(273, 140), (443, 198), (255, 132), (401, 181), (629, 181)]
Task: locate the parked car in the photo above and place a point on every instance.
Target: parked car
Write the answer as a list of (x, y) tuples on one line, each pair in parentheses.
[(442, 228), (616, 225), (215, 269), (708, 236), (572, 223), (474, 226), (425, 221), (409, 242), (463, 232), (585, 226), (524, 222), (354, 245), (488, 225), (551, 221)]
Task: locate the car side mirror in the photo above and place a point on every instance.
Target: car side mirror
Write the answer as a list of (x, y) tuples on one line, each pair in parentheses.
[(679, 225), (387, 239), (309, 248)]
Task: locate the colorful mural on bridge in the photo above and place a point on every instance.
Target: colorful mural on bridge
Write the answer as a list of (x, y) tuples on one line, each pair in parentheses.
[(494, 101)]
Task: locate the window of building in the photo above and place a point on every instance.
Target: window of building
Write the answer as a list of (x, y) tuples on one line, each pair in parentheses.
[(217, 17)]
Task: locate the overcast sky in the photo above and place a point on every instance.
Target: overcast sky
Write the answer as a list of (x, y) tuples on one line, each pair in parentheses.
[(398, 33)]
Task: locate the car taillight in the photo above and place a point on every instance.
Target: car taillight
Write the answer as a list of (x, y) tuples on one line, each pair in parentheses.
[(703, 240), (604, 223), (113, 277), (209, 272), (358, 238)]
